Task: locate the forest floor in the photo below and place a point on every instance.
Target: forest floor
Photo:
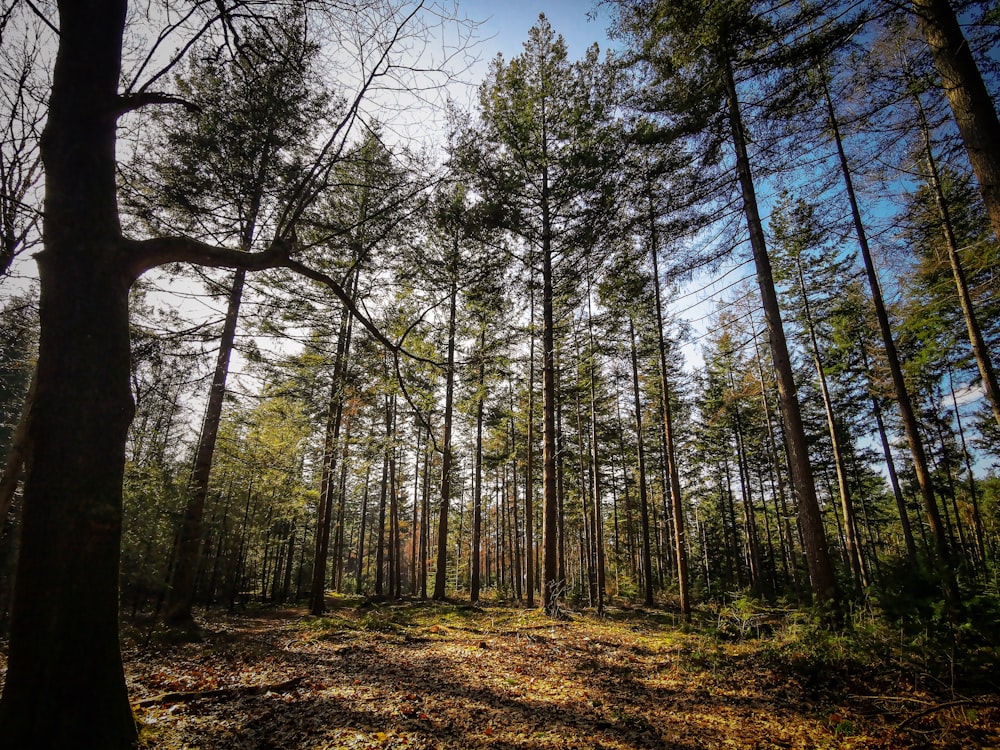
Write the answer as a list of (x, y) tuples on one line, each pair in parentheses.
[(438, 675)]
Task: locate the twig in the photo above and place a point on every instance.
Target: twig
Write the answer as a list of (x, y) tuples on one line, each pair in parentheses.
[(193, 695), (941, 707)]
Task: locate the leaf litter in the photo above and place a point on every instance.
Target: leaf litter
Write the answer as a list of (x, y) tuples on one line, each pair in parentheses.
[(423, 675)]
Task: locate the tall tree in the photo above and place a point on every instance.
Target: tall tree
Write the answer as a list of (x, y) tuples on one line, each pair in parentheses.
[(221, 170), (65, 685), (544, 160), (695, 88)]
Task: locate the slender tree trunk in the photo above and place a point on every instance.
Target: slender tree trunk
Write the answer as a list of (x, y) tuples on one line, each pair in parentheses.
[(425, 515), (980, 349), (973, 491), (441, 580), (335, 412), (909, 418), (529, 461), (418, 520), (890, 464), (851, 543), (598, 513), (477, 489), (822, 579), (550, 507), (971, 104), (776, 465), (749, 518), (518, 558), (180, 597), (360, 571), (680, 545), (382, 497), (647, 557)]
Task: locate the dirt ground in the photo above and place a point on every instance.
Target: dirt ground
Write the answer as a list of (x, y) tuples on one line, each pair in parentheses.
[(449, 676)]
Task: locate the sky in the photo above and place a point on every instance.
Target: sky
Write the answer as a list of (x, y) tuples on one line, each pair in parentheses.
[(507, 22)]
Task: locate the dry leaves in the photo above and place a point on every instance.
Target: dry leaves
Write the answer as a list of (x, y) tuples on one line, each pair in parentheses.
[(445, 676)]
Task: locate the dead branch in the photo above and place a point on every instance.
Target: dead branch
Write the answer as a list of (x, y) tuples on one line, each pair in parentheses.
[(941, 707), (229, 692)]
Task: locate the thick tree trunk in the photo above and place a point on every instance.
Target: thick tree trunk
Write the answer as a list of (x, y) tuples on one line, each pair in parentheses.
[(65, 686), (975, 114), (821, 575)]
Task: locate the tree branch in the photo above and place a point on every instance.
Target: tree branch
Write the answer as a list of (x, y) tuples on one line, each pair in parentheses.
[(395, 347), (146, 254), (133, 101)]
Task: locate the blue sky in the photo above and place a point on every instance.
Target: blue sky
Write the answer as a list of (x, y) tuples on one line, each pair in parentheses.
[(506, 24)]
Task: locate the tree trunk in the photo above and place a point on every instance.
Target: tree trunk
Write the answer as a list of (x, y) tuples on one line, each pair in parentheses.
[(180, 597), (975, 114), (980, 350), (335, 413), (822, 579), (598, 515), (647, 557), (440, 579), (65, 686), (846, 501), (529, 461), (680, 545), (550, 500), (477, 489), (899, 384)]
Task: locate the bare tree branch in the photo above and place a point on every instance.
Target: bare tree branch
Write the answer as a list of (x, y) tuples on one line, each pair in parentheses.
[(130, 102)]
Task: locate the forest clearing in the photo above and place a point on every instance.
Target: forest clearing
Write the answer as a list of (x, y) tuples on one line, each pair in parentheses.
[(313, 312), (444, 675)]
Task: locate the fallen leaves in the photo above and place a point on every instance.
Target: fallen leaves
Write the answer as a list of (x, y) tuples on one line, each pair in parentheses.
[(439, 676)]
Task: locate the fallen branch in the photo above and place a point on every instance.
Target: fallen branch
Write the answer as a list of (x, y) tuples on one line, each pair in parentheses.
[(229, 692), (941, 707)]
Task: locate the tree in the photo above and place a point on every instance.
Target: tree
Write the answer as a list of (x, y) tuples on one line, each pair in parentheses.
[(695, 88), (65, 685), (974, 110), (544, 160), (22, 112)]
